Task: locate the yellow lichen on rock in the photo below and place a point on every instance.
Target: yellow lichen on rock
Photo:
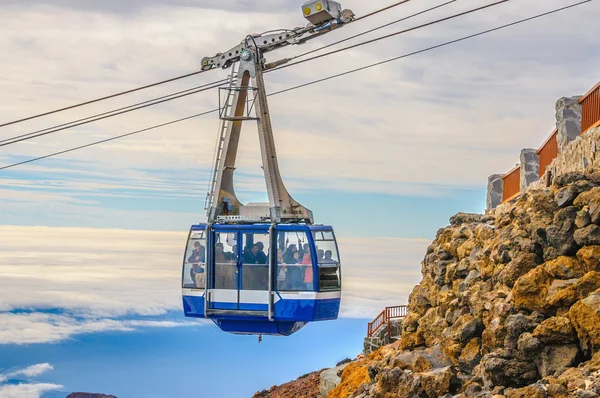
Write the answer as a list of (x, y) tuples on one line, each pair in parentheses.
[(353, 376)]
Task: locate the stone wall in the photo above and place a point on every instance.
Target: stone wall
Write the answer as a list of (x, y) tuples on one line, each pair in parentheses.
[(580, 155), (381, 337)]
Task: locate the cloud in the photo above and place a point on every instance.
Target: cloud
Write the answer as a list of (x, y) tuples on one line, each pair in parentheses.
[(49, 328), (31, 371), (26, 389), (446, 118), (57, 283), (34, 390)]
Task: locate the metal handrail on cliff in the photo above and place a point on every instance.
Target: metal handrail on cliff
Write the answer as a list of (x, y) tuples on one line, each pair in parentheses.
[(395, 312), (590, 109)]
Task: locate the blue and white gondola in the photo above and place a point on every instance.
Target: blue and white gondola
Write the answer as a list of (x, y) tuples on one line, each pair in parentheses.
[(246, 298)]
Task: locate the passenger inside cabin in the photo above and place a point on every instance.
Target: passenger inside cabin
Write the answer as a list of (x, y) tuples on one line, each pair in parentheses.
[(281, 273), (225, 272), (328, 257), (250, 254), (288, 254), (308, 271), (261, 257), (197, 259), (320, 255)]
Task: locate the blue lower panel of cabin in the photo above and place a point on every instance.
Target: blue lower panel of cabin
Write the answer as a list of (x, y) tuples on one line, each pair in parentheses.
[(266, 327), (307, 310), (290, 315)]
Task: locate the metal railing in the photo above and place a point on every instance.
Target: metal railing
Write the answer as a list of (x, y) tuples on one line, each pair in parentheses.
[(548, 152), (590, 109), (396, 312), (512, 184), (376, 323)]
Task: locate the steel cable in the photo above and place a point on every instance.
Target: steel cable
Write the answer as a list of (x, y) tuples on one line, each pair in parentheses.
[(311, 83)]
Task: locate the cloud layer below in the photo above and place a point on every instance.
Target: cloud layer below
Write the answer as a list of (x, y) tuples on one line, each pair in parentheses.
[(60, 282)]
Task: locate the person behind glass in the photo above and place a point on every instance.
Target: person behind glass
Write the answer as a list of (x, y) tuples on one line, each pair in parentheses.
[(261, 257), (320, 255), (328, 257), (305, 249), (295, 274), (308, 271), (281, 272), (288, 254), (197, 259)]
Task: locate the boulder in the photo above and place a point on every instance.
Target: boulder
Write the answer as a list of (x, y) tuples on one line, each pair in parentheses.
[(555, 359), (568, 178), (590, 257), (508, 368), (431, 326), (565, 196), (529, 292), (466, 328), (560, 234), (588, 284), (528, 344), (594, 209), (583, 218), (518, 324), (527, 392), (565, 268), (588, 236), (517, 267), (584, 198), (433, 355), (439, 382), (562, 293), (555, 330), (573, 378), (329, 379), (585, 317), (470, 356)]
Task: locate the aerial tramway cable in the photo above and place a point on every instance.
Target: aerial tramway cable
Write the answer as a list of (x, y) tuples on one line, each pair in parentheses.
[(160, 82), (385, 36), (114, 112), (103, 98), (145, 104), (374, 29), (309, 83)]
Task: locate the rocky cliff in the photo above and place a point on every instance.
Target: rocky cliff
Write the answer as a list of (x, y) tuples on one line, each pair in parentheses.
[(509, 306)]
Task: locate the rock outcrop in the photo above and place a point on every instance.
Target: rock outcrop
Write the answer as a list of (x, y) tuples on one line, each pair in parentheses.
[(509, 306), (306, 386)]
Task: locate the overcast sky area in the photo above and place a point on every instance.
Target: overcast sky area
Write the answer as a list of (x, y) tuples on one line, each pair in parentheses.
[(91, 241)]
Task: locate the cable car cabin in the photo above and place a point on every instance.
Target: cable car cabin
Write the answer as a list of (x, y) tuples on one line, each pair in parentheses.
[(261, 279)]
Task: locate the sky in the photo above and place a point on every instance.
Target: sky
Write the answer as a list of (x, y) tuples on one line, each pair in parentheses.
[(91, 241)]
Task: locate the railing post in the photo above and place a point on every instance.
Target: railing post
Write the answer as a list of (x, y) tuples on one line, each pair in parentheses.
[(494, 191), (568, 120), (530, 168), (389, 324)]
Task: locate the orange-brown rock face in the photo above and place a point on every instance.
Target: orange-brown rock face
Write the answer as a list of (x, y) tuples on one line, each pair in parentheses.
[(508, 306)]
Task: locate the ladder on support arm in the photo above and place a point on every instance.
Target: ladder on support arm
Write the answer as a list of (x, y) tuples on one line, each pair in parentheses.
[(223, 126)]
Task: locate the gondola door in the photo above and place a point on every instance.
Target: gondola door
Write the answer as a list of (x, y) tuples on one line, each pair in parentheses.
[(254, 270), (225, 270)]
